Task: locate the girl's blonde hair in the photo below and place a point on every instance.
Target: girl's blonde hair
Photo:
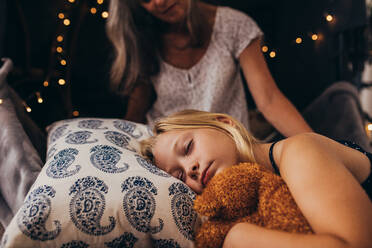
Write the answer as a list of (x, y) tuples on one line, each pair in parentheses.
[(195, 119)]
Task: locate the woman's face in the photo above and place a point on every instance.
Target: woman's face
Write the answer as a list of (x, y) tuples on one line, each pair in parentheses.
[(169, 11), (195, 155)]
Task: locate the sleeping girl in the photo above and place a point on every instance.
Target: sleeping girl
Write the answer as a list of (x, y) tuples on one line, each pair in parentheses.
[(330, 181)]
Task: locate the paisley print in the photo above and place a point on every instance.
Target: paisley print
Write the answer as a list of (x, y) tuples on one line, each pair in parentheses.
[(128, 127), (119, 139), (35, 212), (58, 167), (88, 205), (106, 157), (151, 167), (80, 137), (165, 243), (127, 240), (57, 133), (139, 204), (182, 209), (75, 244), (51, 152), (91, 124)]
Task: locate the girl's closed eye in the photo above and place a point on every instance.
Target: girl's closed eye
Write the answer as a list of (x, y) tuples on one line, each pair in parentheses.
[(189, 147)]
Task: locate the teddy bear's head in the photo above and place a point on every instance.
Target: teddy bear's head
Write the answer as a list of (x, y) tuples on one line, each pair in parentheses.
[(231, 194)]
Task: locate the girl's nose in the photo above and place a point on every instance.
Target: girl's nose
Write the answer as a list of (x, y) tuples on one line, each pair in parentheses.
[(160, 3), (194, 171)]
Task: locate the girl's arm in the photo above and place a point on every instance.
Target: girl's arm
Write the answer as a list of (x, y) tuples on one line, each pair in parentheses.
[(139, 103), (331, 199), (276, 108)]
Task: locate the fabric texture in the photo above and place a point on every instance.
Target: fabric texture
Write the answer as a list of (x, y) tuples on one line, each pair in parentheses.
[(20, 163), (214, 83), (96, 190), (337, 114)]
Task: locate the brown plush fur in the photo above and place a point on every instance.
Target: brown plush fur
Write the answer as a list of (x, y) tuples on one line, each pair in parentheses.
[(246, 193)]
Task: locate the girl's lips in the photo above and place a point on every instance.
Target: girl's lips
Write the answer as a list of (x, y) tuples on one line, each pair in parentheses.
[(168, 9), (206, 175)]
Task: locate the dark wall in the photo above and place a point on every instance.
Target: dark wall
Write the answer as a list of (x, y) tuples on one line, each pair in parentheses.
[(301, 71)]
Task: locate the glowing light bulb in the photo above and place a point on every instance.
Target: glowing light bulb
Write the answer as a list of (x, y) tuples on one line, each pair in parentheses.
[(265, 49), (63, 62), (329, 18), (298, 40), (59, 38), (1, 101), (71, 1), (59, 49), (369, 127), (61, 16), (66, 22), (61, 81), (105, 14), (93, 10), (39, 99), (314, 37), (100, 1), (45, 83), (28, 109), (75, 113), (272, 54)]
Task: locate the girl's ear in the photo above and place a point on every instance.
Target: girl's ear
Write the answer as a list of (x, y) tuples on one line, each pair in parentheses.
[(226, 120)]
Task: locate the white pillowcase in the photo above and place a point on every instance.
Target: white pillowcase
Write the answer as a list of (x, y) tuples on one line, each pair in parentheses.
[(95, 190)]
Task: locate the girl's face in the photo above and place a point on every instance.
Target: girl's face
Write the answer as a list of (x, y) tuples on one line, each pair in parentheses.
[(195, 155), (169, 11)]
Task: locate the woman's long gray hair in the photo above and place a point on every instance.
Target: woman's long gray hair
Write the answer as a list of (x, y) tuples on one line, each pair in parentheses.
[(136, 38)]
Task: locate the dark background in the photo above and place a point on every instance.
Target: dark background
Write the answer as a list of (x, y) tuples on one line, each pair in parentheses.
[(28, 31)]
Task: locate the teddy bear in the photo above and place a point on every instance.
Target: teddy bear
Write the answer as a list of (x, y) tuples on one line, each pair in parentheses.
[(246, 192)]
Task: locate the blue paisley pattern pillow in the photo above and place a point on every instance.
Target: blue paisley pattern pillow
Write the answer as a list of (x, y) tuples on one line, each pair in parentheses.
[(96, 190)]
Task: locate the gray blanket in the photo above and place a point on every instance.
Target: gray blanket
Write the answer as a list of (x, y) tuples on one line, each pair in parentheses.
[(19, 161)]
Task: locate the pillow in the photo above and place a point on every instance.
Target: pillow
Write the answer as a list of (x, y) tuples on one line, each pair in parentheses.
[(95, 190)]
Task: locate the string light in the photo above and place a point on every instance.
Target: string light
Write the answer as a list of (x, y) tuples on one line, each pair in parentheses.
[(1, 101), (61, 81), (272, 54), (28, 109), (369, 127), (314, 37), (329, 18), (59, 49), (59, 38), (66, 22), (265, 49), (61, 16), (39, 99), (93, 11), (75, 113), (298, 40), (71, 1), (105, 14), (100, 1), (45, 83), (63, 62)]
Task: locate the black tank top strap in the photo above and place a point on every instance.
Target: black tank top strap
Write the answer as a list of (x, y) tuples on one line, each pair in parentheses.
[(271, 156)]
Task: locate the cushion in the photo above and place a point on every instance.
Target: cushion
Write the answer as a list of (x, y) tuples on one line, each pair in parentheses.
[(95, 190)]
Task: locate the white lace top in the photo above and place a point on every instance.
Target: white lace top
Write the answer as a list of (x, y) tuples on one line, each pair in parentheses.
[(214, 83)]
